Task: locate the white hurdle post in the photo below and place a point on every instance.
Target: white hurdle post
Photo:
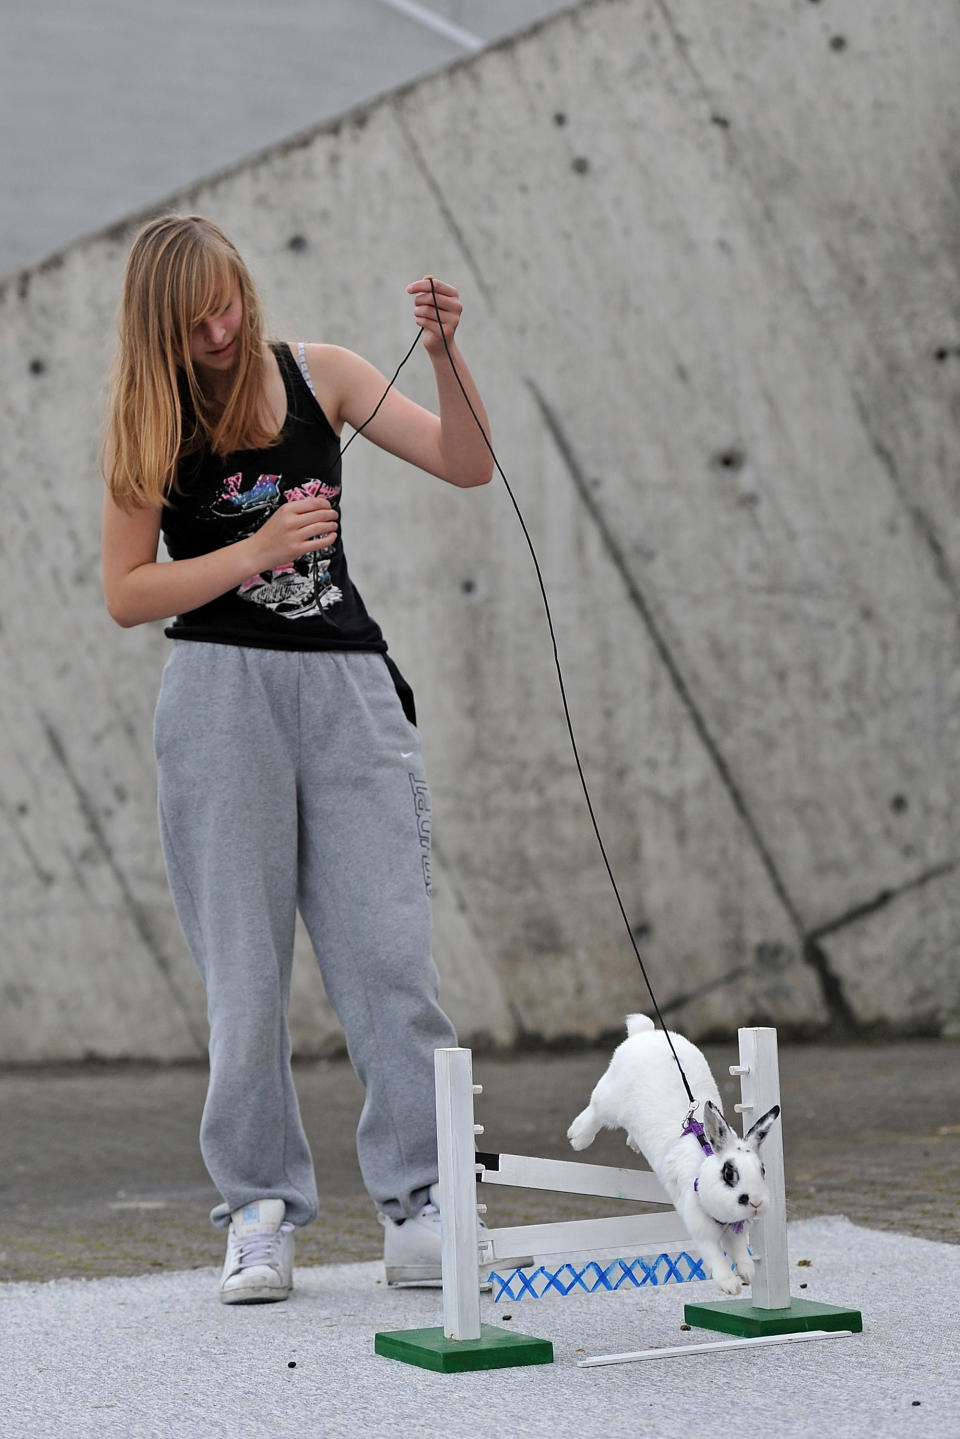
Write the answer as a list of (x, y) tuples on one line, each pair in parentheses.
[(459, 1251), (462, 1343), (759, 1073)]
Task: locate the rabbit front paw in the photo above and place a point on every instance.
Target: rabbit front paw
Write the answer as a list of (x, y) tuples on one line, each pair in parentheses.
[(728, 1282), (745, 1270)]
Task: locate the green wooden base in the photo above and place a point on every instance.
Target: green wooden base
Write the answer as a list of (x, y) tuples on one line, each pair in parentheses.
[(495, 1349), (739, 1316)]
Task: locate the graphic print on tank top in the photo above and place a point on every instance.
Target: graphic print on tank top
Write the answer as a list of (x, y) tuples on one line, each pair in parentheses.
[(295, 590)]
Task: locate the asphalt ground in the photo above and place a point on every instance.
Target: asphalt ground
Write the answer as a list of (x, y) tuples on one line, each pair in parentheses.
[(100, 1172)]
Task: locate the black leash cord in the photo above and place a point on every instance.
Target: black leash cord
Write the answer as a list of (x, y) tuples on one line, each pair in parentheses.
[(386, 392), (563, 697), (556, 660), (343, 449)]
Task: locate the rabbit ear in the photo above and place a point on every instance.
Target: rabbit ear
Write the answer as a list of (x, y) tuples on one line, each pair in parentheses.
[(717, 1130), (755, 1136)]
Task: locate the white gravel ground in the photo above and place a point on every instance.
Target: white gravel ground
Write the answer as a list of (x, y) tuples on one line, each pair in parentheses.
[(159, 1358)]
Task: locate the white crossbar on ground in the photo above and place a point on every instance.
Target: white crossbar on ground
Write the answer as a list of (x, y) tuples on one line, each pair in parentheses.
[(690, 1351)]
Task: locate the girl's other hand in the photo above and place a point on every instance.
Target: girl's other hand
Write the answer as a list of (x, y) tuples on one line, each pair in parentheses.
[(425, 312), (297, 528)]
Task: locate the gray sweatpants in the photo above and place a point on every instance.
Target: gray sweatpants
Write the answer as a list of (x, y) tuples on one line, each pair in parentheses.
[(293, 778)]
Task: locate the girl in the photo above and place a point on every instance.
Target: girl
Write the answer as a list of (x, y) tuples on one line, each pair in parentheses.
[(289, 768)]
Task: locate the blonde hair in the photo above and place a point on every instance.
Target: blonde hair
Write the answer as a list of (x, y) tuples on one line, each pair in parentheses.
[(181, 268)]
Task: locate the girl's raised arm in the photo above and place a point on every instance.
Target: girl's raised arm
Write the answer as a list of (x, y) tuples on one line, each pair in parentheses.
[(450, 445)]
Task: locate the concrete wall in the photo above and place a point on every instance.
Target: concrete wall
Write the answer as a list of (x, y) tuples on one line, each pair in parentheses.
[(709, 259)]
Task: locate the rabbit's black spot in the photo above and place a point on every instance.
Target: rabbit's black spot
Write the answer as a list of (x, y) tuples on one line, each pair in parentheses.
[(743, 1199), (763, 1172), (730, 1175)]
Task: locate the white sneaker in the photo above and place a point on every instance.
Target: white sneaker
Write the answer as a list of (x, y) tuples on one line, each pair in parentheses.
[(411, 1247), (258, 1268)]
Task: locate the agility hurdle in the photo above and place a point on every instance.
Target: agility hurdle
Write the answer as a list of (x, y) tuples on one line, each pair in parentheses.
[(464, 1342)]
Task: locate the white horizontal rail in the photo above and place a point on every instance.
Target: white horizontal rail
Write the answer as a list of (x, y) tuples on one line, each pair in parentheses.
[(524, 1171), (633, 1231), (677, 1351)]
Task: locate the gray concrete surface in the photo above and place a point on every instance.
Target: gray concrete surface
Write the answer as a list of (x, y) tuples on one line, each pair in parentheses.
[(100, 1172), (159, 1358), (105, 106), (708, 267)]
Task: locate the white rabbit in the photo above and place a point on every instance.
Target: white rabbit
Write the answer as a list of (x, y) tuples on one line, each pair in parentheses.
[(716, 1195)]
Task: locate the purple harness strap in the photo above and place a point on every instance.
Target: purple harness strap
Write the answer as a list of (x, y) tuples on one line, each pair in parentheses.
[(693, 1126)]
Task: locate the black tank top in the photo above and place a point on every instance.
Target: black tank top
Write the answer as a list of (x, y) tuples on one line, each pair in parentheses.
[(310, 604)]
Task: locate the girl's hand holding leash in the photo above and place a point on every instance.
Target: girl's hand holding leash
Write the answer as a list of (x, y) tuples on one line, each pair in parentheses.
[(297, 528), (462, 454), (425, 314)]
